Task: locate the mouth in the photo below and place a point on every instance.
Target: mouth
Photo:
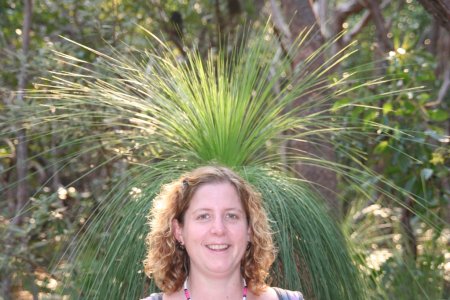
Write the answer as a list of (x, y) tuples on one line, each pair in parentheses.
[(218, 247)]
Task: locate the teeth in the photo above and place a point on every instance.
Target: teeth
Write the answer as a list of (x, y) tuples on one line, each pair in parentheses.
[(217, 247)]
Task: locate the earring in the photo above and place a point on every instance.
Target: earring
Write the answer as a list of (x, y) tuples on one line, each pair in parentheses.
[(180, 246), (249, 244)]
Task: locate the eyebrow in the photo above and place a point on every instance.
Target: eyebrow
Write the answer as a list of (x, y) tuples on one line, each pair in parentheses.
[(210, 209)]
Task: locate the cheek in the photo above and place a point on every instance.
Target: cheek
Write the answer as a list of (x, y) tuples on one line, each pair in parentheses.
[(243, 233), (194, 232)]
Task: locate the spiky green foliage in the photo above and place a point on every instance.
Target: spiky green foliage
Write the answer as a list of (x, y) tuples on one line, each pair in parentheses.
[(167, 115)]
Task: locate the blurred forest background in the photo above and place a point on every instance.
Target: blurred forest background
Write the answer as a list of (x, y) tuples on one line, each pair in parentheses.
[(46, 199)]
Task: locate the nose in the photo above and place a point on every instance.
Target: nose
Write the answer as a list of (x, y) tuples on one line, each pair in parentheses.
[(218, 226)]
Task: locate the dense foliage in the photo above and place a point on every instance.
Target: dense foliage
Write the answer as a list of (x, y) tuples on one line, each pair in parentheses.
[(391, 147)]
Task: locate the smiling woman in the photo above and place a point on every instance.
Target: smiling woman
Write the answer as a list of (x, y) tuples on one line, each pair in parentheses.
[(210, 239)]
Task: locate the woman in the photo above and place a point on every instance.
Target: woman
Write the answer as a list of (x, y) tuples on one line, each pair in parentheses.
[(210, 239)]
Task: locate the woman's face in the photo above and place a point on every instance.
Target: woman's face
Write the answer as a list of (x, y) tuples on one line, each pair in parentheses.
[(215, 230)]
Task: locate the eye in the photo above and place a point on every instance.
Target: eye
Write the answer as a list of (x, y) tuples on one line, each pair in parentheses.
[(203, 217), (232, 216)]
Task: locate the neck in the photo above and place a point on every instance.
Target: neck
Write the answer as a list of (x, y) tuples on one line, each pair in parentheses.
[(224, 288)]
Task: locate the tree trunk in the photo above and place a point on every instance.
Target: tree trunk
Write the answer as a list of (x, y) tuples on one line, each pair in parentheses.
[(381, 26), (300, 15), (21, 149), (441, 44), (440, 10)]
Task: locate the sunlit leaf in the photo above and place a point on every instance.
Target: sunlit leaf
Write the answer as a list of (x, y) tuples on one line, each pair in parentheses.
[(381, 147)]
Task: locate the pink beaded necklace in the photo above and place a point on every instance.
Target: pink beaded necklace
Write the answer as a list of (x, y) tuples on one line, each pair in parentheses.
[(188, 296)]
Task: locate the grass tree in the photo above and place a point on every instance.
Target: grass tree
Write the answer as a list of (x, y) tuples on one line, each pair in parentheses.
[(167, 115)]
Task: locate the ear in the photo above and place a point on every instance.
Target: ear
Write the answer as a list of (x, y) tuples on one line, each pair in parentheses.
[(177, 231), (249, 234)]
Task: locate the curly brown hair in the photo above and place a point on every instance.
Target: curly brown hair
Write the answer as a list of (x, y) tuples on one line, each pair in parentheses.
[(168, 263)]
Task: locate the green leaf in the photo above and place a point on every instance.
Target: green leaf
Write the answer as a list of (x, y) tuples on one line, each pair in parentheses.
[(381, 147), (438, 115), (423, 98), (341, 103), (387, 108), (408, 107)]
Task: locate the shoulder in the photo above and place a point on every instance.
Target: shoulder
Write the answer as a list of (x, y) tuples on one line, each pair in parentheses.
[(268, 294), (154, 296), (274, 293), (287, 294)]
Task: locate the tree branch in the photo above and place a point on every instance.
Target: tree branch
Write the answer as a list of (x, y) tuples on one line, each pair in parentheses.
[(380, 25), (281, 27), (350, 35), (442, 91), (345, 10), (356, 29)]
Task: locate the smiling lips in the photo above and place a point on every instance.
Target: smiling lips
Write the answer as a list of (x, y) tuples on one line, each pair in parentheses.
[(218, 247)]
